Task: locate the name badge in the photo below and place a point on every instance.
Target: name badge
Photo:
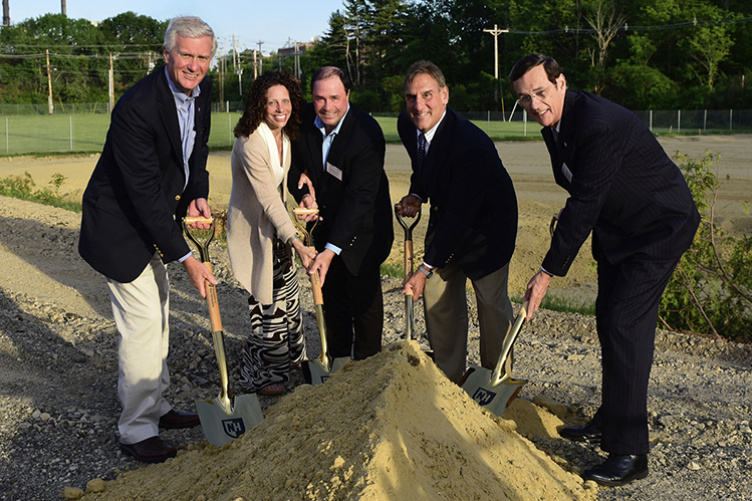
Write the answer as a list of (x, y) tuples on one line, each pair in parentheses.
[(567, 173), (334, 171)]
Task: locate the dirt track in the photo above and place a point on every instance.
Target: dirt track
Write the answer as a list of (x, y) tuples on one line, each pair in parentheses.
[(528, 165)]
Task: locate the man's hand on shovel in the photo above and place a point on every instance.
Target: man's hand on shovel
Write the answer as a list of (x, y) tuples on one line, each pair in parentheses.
[(415, 285), (409, 206), (536, 291), (199, 274)]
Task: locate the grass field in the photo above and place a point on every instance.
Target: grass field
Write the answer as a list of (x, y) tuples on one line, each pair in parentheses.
[(86, 133)]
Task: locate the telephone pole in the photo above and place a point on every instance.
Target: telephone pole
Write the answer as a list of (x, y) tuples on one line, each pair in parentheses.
[(496, 32), (49, 85), (261, 58)]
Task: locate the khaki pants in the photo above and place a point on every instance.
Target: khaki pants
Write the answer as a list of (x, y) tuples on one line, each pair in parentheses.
[(445, 306), (141, 310)]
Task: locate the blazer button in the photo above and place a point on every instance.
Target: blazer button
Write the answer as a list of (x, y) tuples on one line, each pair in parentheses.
[(177, 197)]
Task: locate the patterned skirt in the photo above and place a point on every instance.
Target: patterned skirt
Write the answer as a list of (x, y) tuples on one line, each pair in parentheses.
[(276, 340)]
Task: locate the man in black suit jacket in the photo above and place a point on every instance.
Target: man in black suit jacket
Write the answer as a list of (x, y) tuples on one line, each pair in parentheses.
[(152, 169), (625, 189), (341, 150), (473, 223)]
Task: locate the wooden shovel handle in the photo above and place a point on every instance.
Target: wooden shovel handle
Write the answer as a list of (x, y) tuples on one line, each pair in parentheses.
[(212, 301), (198, 219)]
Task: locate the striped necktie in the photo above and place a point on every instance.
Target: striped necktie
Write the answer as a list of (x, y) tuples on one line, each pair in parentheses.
[(421, 153)]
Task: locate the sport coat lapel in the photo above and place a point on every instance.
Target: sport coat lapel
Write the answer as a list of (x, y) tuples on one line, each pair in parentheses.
[(169, 115), (438, 151), (341, 139)]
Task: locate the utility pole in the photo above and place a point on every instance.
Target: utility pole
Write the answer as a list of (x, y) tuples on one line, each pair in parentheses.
[(6, 13), (62, 7), (496, 32), (111, 86), (261, 57), (49, 85), (219, 71)]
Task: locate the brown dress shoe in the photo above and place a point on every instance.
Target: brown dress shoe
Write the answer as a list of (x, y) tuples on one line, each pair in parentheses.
[(151, 450), (176, 419)]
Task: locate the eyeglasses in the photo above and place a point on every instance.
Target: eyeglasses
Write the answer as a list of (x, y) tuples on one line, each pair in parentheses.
[(526, 99)]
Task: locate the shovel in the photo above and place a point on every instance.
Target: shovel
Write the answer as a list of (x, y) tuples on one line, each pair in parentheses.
[(409, 315), (318, 370), (496, 390), (225, 417)]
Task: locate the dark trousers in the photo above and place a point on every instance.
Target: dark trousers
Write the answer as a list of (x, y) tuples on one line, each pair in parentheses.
[(629, 295), (354, 311)]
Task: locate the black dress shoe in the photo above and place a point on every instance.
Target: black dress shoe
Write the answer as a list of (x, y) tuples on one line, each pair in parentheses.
[(588, 432), (151, 450), (175, 419), (618, 470)]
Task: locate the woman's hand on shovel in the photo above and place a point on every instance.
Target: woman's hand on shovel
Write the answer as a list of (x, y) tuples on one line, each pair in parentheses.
[(199, 274)]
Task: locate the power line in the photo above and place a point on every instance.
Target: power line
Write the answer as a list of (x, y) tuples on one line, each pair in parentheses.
[(626, 27)]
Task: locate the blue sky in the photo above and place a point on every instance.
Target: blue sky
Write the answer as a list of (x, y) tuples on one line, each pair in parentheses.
[(272, 21)]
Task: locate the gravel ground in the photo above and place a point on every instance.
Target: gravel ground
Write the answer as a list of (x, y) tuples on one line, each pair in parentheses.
[(58, 360)]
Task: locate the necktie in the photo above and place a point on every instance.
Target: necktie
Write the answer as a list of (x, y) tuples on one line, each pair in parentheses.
[(421, 153)]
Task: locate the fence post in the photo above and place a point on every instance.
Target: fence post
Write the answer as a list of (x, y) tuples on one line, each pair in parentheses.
[(7, 142), (524, 122), (678, 121), (651, 120), (705, 121), (731, 119), (70, 121), (488, 127)]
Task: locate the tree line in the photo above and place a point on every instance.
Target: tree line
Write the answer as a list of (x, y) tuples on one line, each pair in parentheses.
[(644, 54)]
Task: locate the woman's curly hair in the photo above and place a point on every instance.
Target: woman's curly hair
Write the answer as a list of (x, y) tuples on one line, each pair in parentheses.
[(255, 108)]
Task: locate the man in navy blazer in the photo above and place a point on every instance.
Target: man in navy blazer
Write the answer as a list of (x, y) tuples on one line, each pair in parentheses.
[(472, 227), (341, 149), (151, 171), (634, 199)]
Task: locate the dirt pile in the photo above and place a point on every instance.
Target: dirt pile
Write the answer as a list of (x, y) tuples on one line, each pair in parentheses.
[(391, 427)]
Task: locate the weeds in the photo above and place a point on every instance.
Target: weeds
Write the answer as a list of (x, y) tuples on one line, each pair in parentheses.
[(711, 290), (22, 187)]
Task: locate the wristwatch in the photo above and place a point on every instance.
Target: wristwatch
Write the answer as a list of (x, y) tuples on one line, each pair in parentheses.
[(425, 270)]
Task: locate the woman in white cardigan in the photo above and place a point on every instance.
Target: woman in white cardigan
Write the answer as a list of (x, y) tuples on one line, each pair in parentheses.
[(261, 235)]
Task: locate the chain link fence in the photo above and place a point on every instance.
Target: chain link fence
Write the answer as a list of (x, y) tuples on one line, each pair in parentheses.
[(82, 127)]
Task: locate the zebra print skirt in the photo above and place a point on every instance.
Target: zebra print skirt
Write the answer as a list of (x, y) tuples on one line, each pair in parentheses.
[(276, 340)]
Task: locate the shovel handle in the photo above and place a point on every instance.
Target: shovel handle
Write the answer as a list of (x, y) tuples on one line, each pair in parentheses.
[(198, 219), (212, 301), (499, 374)]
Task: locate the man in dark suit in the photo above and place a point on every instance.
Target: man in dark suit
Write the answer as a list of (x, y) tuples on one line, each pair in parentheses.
[(152, 169), (473, 223), (625, 189), (341, 149)]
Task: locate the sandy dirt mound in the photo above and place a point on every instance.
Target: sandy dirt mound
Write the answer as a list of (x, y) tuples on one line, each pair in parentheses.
[(391, 427)]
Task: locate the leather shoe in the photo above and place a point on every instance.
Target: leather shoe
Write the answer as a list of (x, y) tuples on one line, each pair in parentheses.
[(618, 470), (589, 432), (176, 419), (151, 450)]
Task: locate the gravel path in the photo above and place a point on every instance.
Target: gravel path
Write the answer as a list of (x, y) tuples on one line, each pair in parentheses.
[(58, 406)]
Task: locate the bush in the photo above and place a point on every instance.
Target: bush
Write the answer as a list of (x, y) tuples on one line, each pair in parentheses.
[(711, 290)]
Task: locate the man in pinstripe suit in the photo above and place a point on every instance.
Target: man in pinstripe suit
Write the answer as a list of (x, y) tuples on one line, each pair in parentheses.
[(625, 189)]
